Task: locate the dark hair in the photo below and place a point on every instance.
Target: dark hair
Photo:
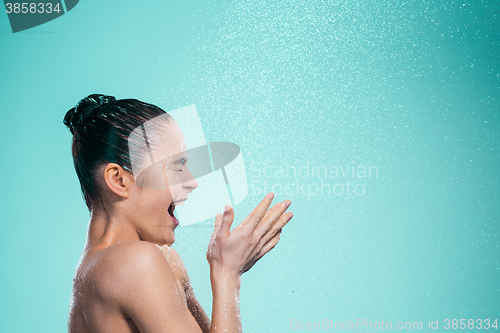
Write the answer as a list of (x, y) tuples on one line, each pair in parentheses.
[(101, 126)]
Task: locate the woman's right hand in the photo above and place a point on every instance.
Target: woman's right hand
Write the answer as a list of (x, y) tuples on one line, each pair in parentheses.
[(232, 253)]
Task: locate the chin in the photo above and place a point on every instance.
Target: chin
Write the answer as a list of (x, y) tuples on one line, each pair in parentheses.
[(170, 239), (163, 237), (170, 242)]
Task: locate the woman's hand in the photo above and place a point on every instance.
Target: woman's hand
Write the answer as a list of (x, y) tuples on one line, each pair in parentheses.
[(235, 252)]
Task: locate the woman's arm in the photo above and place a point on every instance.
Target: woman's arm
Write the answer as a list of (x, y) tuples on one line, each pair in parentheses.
[(182, 278), (197, 311), (145, 288), (231, 253)]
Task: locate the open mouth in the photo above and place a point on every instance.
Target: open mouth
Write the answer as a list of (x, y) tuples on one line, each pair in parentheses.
[(171, 209)]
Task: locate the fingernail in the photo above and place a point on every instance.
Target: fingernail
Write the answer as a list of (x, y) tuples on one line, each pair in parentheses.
[(227, 208), (287, 203), (270, 195)]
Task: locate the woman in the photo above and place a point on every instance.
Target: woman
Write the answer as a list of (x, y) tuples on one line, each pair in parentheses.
[(128, 278)]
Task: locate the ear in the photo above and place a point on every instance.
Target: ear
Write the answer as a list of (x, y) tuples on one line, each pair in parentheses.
[(117, 179)]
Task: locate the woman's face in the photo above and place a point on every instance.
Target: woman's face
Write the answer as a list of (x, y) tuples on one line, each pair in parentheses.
[(170, 184)]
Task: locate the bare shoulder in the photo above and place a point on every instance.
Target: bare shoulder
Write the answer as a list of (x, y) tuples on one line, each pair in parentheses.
[(129, 256), (134, 281), (175, 260), (121, 269), (176, 264)]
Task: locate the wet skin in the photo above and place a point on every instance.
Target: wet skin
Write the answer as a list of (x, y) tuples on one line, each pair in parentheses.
[(124, 281)]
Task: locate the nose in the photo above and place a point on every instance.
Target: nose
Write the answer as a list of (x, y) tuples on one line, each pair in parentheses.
[(190, 182)]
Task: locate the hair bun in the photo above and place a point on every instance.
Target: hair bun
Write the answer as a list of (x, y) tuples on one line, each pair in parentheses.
[(77, 117)]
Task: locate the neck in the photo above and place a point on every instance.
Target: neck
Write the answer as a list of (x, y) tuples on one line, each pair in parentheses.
[(106, 228)]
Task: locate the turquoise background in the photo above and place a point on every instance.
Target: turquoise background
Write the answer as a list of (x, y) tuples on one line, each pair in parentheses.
[(411, 87)]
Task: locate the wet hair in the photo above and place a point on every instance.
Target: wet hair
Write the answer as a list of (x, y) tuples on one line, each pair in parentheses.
[(101, 126)]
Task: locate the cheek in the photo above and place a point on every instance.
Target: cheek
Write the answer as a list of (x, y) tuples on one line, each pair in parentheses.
[(157, 200), (174, 184), (175, 190)]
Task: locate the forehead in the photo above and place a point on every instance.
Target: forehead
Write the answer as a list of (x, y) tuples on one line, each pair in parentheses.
[(170, 141), (155, 140)]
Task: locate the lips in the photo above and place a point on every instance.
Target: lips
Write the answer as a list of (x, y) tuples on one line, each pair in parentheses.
[(180, 202), (171, 213)]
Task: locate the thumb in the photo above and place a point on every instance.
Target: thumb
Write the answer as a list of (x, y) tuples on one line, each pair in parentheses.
[(227, 220), (218, 221)]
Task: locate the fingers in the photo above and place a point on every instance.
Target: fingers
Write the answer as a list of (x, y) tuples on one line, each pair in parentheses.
[(276, 228), (253, 219), (270, 244), (241, 248), (271, 210), (218, 221), (227, 220), (272, 217), (265, 249)]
